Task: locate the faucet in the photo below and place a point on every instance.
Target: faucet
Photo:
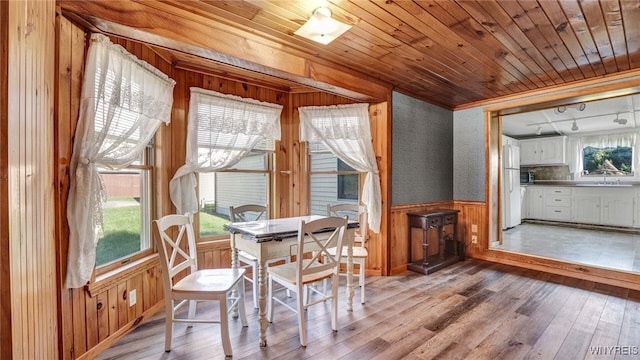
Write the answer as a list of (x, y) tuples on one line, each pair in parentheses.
[(605, 177)]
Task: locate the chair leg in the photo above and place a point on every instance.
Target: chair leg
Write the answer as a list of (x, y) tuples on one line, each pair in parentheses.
[(302, 328), (224, 326), (168, 316), (192, 311), (334, 302), (362, 275), (241, 305), (270, 299), (286, 260)]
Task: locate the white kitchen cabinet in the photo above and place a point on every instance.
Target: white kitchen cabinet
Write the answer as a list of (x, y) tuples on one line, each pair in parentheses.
[(636, 208), (611, 206), (557, 203), (586, 206), (535, 202), (543, 151), (617, 207)]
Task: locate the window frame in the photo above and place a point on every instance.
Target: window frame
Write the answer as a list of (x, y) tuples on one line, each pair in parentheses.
[(148, 213), (336, 172)]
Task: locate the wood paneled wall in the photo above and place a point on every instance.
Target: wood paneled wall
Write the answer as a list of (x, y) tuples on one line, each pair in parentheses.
[(5, 247), (94, 317), (28, 313)]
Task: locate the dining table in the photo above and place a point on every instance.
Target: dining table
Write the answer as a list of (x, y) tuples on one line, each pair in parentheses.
[(277, 238)]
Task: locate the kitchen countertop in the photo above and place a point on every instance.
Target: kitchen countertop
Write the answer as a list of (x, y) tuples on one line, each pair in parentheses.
[(612, 184)]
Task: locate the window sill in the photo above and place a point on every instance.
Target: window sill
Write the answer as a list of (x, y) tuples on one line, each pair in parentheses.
[(122, 273)]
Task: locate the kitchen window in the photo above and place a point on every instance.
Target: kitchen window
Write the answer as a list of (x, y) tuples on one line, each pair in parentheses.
[(610, 155)]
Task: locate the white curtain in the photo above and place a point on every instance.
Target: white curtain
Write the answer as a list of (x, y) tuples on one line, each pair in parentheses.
[(574, 155), (346, 131), (222, 130), (123, 102)]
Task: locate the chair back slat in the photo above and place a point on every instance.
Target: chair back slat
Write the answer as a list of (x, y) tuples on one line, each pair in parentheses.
[(172, 231), (353, 211), (307, 236), (249, 212)]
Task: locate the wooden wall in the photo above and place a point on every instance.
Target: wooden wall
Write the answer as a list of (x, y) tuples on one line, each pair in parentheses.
[(5, 248), (94, 317), (28, 315)]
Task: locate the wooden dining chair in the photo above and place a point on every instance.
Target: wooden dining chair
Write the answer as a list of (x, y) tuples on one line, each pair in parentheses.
[(296, 275), (243, 213), (360, 252), (178, 257)]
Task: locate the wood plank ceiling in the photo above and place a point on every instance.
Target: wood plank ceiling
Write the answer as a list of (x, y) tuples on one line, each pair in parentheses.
[(449, 53)]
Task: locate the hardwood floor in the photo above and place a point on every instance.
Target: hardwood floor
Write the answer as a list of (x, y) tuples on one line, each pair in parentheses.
[(470, 310), (604, 248)]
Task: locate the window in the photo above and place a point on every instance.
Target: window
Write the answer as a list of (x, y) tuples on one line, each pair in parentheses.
[(248, 182), (612, 155), (615, 161), (331, 180), (126, 213), (347, 184), (123, 102), (230, 142)]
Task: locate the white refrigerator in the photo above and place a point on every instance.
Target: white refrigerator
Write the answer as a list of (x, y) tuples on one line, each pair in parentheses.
[(511, 208)]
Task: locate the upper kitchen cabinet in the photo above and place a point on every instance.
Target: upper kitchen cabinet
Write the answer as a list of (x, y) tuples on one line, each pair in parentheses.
[(543, 151)]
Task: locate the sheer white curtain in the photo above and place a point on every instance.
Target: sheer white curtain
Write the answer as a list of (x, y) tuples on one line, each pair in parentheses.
[(346, 131), (222, 130), (123, 102), (574, 155)]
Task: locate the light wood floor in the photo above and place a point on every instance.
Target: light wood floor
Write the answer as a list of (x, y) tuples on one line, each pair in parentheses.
[(603, 248), (470, 310)]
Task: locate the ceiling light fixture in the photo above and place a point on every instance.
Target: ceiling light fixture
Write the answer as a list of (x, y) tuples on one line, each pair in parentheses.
[(321, 27), (562, 109), (574, 127), (622, 121)]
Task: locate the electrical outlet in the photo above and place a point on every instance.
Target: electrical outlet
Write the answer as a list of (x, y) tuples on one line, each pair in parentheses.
[(132, 297), (474, 228), (474, 239)]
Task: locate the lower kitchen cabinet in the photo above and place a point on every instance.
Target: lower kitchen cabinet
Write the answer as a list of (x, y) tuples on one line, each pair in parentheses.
[(557, 203), (617, 208), (535, 202), (612, 206), (586, 206)]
